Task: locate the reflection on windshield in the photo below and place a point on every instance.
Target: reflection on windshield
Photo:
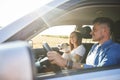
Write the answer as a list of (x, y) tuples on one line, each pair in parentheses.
[(11, 10)]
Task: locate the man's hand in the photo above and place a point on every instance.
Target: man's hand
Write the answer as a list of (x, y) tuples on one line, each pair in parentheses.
[(55, 58)]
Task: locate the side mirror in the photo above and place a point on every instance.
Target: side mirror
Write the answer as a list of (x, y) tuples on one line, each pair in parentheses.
[(16, 61)]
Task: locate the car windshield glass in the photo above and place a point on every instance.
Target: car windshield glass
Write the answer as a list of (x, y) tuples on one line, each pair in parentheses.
[(11, 10)]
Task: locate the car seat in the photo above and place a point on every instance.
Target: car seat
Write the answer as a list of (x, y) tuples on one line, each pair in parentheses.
[(116, 32), (85, 32)]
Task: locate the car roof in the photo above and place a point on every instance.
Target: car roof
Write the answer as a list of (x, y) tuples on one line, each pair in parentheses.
[(83, 12), (72, 12)]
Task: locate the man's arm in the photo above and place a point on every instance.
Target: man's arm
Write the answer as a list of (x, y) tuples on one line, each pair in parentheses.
[(56, 58)]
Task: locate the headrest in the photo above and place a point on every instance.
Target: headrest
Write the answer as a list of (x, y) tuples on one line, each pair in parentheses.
[(85, 32), (116, 32), (16, 61)]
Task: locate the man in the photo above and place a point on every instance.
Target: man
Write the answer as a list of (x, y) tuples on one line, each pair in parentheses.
[(104, 53)]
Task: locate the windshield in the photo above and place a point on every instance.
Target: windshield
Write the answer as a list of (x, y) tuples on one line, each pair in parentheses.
[(11, 10)]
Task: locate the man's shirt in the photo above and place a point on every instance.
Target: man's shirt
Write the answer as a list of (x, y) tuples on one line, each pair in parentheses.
[(103, 55)]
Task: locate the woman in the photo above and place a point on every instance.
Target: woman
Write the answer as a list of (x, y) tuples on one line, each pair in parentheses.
[(77, 49)]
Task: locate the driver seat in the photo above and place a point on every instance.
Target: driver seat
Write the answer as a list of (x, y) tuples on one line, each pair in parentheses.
[(116, 32)]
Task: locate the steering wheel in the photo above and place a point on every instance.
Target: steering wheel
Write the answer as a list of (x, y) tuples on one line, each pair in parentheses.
[(44, 64)]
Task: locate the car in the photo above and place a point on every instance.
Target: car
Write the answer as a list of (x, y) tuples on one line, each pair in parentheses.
[(57, 13)]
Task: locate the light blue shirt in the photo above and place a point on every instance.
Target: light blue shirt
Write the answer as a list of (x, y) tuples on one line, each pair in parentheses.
[(107, 54)]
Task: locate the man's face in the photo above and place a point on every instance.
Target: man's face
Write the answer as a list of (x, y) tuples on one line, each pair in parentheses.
[(97, 32)]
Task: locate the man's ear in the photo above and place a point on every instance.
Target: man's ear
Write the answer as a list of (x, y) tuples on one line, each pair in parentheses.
[(106, 30)]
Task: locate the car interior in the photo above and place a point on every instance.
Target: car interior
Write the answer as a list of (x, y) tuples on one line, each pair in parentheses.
[(78, 15)]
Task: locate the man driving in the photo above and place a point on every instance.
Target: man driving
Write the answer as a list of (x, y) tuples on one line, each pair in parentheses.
[(104, 53)]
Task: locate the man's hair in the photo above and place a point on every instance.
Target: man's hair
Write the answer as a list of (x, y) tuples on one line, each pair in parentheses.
[(105, 20)]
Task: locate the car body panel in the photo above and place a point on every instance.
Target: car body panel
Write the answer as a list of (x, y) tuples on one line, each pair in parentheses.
[(104, 73), (64, 12)]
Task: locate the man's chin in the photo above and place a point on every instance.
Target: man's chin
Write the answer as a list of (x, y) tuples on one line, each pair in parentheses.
[(94, 40)]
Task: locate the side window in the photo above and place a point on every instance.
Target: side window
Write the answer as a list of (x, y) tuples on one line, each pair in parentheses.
[(53, 36)]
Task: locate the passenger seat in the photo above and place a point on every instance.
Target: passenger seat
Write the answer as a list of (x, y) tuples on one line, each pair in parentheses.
[(85, 32)]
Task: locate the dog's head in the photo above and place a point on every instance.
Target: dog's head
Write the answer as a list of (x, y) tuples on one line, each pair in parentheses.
[(64, 47)]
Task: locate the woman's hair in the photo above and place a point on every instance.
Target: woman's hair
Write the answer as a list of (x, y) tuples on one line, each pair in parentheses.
[(79, 39)]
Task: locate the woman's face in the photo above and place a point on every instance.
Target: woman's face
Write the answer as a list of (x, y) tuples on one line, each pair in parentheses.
[(73, 38)]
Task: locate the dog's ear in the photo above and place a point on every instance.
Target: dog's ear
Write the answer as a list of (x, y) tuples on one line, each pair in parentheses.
[(67, 44)]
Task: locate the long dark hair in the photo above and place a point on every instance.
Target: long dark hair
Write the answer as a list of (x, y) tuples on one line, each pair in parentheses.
[(79, 39)]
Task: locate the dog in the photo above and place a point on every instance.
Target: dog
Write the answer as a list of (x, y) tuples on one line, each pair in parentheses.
[(65, 48)]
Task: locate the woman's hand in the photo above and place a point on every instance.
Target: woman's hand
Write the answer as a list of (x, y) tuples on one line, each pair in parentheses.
[(55, 58)]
